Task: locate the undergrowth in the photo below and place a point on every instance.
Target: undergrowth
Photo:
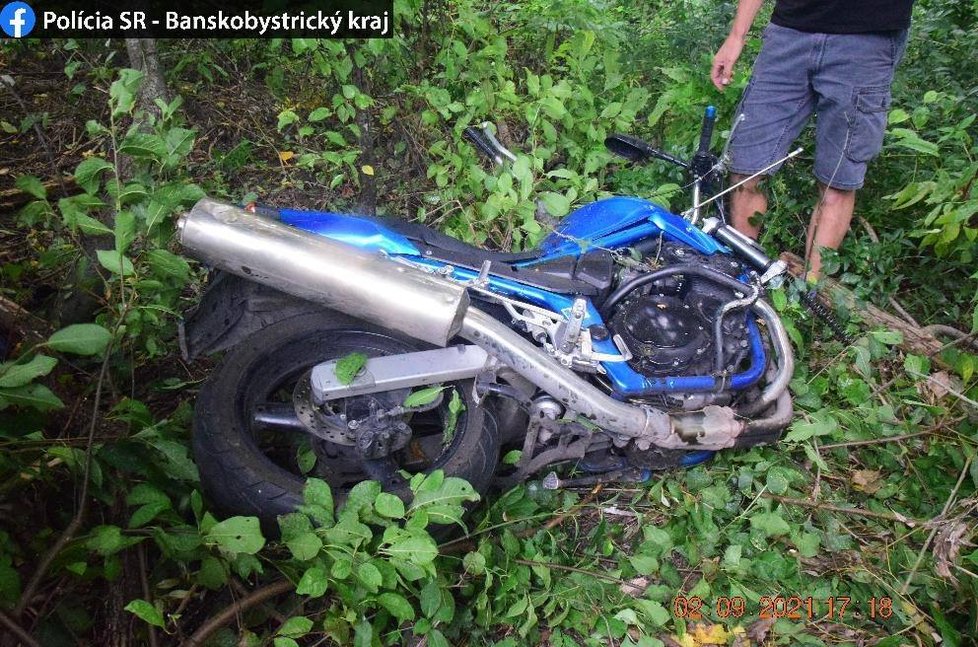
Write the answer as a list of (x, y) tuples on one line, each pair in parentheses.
[(858, 528)]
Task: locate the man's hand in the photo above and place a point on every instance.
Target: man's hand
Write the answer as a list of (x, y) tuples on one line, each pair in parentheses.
[(724, 61)]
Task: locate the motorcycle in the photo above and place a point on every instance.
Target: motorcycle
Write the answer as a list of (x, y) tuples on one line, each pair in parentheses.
[(631, 339)]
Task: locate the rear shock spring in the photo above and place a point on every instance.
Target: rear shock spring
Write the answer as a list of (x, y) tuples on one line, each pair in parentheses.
[(821, 311)]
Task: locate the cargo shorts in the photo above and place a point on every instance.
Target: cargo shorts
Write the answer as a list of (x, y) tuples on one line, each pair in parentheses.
[(843, 78)]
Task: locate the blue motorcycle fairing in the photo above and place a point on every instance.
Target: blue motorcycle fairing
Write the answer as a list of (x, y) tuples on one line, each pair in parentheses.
[(359, 232), (619, 221), (610, 223)]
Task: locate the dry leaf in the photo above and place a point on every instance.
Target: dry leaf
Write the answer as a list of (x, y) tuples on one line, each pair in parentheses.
[(758, 630), (947, 544), (703, 635), (635, 587), (867, 481), (285, 156), (938, 385), (367, 169)]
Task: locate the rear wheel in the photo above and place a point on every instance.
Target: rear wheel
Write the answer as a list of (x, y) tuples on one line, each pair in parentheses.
[(254, 455)]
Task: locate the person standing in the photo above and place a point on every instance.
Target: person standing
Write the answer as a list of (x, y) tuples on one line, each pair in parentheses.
[(835, 58)]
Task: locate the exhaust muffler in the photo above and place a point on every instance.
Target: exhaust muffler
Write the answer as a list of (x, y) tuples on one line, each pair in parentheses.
[(363, 284)]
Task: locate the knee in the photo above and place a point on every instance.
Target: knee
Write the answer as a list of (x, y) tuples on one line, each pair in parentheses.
[(750, 187)]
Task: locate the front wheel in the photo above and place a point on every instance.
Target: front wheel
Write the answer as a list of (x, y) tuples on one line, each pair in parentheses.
[(254, 455)]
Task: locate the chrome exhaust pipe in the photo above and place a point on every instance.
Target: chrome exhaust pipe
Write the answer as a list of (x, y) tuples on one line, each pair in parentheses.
[(714, 427), (366, 285)]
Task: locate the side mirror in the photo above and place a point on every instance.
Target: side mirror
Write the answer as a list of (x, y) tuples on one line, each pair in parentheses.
[(629, 147)]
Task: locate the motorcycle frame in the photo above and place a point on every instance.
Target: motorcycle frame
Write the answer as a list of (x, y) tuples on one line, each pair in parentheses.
[(613, 224)]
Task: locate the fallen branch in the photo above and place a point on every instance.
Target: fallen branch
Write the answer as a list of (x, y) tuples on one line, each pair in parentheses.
[(861, 512), (17, 630), (876, 441), (231, 611), (915, 339)]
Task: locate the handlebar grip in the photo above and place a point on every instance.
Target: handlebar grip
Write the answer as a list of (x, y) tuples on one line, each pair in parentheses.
[(706, 133), (475, 136)]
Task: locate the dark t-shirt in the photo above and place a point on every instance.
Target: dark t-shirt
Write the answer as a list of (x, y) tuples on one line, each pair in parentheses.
[(842, 16)]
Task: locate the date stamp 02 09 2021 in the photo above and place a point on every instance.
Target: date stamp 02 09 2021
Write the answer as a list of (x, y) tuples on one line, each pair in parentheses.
[(790, 607)]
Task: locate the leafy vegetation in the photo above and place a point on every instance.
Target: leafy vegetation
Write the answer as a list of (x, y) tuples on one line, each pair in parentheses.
[(864, 513)]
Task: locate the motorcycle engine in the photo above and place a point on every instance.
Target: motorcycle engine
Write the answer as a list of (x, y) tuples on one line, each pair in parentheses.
[(668, 325)]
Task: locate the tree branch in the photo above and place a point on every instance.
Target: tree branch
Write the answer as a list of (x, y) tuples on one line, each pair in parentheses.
[(231, 611)]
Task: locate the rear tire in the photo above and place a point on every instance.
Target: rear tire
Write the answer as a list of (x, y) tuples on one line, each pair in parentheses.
[(245, 470)]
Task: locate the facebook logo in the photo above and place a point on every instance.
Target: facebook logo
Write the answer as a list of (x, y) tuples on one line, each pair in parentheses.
[(17, 19)]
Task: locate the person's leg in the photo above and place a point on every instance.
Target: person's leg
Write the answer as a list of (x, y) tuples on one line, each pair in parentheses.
[(748, 203), (828, 226), (775, 106), (852, 81)]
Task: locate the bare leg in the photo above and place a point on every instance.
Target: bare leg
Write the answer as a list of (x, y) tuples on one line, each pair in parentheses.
[(747, 204), (828, 226)]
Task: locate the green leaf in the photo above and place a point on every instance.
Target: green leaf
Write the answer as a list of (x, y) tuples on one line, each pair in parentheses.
[(213, 573), (644, 564), (313, 582), (87, 172), (285, 118), (80, 339), (807, 544), (442, 498), (369, 575), (90, 226), (122, 92), (237, 535), (319, 114), (364, 634), (114, 261), (417, 549), (13, 375), (389, 505), (474, 563), (888, 337), (125, 230), (398, 606), (164, 263), (108, 540), (318, 501), (35, 396), (296, 627), (32, 185), (423, 396), (430, 598), (654, 611), (144, 146), (305, 546), (455, 409), (146, 513), (556, 204), (146, 612), (822, 423), (778, 480), (770, 523), (349, 366), (437, 639)]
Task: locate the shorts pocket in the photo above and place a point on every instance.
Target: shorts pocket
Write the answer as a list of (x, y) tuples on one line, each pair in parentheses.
[(867, 122)]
